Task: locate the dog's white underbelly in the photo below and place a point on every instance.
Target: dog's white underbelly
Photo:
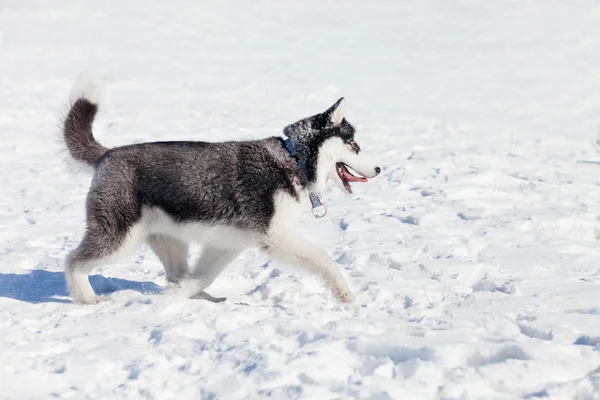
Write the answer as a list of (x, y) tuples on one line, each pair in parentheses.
[(156, 221)]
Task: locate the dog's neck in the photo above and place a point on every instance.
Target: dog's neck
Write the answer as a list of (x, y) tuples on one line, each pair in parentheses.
[(318, 208), (306, 150), (295, 150)]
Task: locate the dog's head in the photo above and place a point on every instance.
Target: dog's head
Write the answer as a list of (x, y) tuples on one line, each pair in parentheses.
[(326, 144)]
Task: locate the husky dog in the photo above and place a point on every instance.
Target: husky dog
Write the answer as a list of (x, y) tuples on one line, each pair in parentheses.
[(227, 196)]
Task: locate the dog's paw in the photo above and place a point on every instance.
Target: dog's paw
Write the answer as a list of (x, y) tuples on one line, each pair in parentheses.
[(99, 299), (171, 289), (343, 295), (186, 288)]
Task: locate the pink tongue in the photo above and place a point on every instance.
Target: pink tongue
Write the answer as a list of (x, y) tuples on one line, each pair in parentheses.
[(351, 178)]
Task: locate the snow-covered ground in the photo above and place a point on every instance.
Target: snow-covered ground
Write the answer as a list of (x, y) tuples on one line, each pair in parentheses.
[(474, 256)]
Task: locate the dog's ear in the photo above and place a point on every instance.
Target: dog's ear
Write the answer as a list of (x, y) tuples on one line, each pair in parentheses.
[(335, 113)]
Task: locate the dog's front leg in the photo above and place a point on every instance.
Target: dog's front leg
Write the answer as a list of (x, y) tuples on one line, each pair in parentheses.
[(295, 250)]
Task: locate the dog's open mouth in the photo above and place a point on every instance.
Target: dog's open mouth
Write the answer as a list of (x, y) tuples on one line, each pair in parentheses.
[(347, 177)]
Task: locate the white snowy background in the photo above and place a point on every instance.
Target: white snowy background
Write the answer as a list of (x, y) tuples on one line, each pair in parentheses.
[(474, 257)]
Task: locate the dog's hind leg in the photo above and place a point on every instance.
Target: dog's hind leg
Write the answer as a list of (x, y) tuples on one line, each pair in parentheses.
[(297, 251), (173, 254), (209, 266), (97, 247), (80, 262)]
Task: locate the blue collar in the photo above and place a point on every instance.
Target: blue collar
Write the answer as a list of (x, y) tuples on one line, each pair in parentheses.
[(319, 209)]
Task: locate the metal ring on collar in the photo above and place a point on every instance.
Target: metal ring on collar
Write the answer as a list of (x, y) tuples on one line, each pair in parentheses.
[(320, 211)]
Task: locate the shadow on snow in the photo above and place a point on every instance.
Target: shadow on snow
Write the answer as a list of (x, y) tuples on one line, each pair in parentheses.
[(39, 286)]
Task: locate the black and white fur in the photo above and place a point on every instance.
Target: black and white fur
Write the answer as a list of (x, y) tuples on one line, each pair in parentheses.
[(227, 196)]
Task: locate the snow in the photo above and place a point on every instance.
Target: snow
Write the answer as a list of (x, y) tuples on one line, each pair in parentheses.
[(473, 257)]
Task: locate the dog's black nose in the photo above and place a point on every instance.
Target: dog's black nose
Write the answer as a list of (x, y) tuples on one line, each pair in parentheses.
[(377, 170)]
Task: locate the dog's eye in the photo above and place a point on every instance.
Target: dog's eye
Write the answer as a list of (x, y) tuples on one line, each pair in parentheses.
[(354, 146)]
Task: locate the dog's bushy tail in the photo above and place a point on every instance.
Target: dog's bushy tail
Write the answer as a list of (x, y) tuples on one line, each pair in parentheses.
[(77, 128)]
